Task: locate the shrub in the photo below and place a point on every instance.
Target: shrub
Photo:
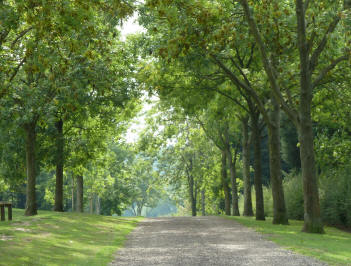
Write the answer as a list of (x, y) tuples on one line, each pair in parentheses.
[(335, 197), (293, 192), (334, 191)]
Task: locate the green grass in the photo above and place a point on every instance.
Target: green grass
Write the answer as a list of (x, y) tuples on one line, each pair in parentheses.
[(333, 247), (52, 238)]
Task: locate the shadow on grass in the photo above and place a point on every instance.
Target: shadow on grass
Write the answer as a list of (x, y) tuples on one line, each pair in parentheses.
[(333, 247), (63, 238)]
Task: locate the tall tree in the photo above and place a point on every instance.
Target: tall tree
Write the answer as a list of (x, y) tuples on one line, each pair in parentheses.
[(312, 73)]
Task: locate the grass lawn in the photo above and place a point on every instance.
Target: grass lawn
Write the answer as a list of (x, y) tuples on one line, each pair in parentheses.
[(333, 247), (52, 238)]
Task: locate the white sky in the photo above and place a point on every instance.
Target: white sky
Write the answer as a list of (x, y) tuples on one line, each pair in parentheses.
[(139, 123), (131, 26)]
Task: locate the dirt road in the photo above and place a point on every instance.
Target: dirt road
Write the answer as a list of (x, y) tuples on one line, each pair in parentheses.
[(202, 241)]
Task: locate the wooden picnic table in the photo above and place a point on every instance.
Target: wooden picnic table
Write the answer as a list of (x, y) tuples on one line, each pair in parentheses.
[(4, 204)]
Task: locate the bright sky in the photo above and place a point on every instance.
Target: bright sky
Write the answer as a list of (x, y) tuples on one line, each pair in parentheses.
[(131, 26), (138, 124)]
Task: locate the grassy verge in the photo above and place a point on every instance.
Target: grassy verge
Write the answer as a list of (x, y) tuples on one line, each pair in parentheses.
[(333, 247), (62, 238)]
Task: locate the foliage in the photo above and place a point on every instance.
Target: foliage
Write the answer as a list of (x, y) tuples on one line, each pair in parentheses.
[(335, 195), (335, 190)]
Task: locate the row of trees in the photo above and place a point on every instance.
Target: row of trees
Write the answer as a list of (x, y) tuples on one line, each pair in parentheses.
[(238, 81), (65, 90), (265, 58)]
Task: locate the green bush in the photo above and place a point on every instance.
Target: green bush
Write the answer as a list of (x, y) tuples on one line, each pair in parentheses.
[(335, 197), (334, 191), (268, 201), (267, 198), (293, 192), (293, 198)]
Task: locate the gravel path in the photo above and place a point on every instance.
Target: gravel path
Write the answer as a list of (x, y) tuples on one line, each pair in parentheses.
[(202, 241)]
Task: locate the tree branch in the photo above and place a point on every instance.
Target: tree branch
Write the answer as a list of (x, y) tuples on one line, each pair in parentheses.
[(267, 65), (318, 51), (328, 68), (24, 32)]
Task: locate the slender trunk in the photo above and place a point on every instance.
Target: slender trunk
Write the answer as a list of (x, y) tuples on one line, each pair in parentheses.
[(79, 193), (91, 206), (257, 166), (225, 183), (191, 194), (72, 194), (139, 209), (191, 188), (97, 205), (192, 198), (279, 209), (31, 205), (246, 169), (196, 189), (231, 164), (313, 222), (203, 202), (59, 167)]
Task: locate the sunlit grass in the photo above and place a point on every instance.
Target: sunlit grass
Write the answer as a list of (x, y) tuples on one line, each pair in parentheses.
[(52, 238), (333, 247)]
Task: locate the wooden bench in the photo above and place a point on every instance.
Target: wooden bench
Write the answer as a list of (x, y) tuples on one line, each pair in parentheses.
[(4, 204)]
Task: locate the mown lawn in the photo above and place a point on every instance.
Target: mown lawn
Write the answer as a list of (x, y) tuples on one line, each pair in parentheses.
[(52, 238), (333, 247)]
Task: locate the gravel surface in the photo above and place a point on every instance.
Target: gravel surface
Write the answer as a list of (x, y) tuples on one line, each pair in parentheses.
[(202, 241)]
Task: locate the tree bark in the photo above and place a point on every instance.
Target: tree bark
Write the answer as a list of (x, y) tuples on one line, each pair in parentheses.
[(312, 218), (139, 210), (279, 209), (91, 206), (191, 188), (31, 204), (80, 206), (225, 183), (256, 136), (59, 167), (246, 168), (72, 194), (97, 205), (231, 164), (203, 202)]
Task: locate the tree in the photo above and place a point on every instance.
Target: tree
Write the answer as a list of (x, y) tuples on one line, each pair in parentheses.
[(301, 114)]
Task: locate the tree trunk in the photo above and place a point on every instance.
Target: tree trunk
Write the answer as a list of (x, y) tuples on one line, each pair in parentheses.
[(59, 167), (231, 164), (139, 210), (196, 189), (80, 206), (97, 205), (256, 135), (225, 183), (91, 206), (313, 222), (191, 188), (312, 218), (203, 202), (31, 204), (72, 194), (279, 209), (246, 169)]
